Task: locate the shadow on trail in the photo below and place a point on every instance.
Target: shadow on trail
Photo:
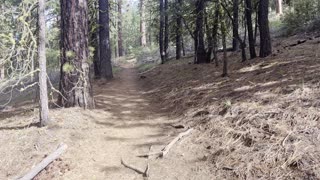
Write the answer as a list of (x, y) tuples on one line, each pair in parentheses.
[(126, 104)]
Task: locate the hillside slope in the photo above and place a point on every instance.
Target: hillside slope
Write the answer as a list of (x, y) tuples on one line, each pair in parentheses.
[(260, 122)]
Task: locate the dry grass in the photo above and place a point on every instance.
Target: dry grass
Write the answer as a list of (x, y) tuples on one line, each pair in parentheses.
[(262, 122)]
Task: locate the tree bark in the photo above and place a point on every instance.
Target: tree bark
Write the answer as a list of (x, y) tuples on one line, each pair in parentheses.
[(161, 32), (209, 38), (235, 28), (120, 41), (96, 59), (96, 53), (44, 109), (200, 52), (166, 29), (75, 85), (248, 11), (183, 46), (215, 33), (104, 38), (224, 44), (265, 39), (279, 9), (178, 29), (143, 27)]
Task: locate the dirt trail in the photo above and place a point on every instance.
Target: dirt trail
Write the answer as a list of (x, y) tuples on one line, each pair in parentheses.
[(129, 127), (123, 125)]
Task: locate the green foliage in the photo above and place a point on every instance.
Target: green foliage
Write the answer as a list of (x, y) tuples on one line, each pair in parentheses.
[(70, 54), (67, 67), (53, 58), (302, 14), (146, 55)]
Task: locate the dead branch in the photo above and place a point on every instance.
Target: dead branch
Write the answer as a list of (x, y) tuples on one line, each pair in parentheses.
[(150, 154), (166, 149), (296, 44), (132, 167), (146, 172), (45, 162)]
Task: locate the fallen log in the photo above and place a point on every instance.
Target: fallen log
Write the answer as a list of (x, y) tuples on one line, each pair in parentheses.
[(296, 44), (45, 162)]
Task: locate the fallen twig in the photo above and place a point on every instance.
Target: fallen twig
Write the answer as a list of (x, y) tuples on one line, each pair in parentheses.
[(166, 149), (146, 172), (45, 162), (150, 154), (132, 167)]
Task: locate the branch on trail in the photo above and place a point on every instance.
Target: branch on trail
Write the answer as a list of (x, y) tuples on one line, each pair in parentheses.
[(45, 162), (132, 167), (167, 148), (146, 172), (150, 154)]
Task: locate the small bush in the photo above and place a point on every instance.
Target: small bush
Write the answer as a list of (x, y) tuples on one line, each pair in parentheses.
[(147, 55)]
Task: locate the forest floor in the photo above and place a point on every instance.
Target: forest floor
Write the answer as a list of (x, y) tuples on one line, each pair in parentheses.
[(123, 125), (261, 122)]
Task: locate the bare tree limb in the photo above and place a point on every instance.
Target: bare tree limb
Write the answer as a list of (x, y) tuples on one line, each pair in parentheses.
[(45, 162), (166, 149), (132, 167)]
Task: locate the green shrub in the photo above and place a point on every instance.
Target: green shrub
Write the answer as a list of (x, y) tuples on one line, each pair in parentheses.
[(301, 15), (147, 54)]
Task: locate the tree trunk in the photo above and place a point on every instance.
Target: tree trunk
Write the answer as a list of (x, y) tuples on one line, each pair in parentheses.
[(166, 29), (265, 40), (75, 85), (143, 27), (178, 29), (235, 28), (104, 38), (248, 12), (44, 109), (96, 61), (224, 44), (215, 33), (161, 32), (279, 10), (120, 44), (200, 52), (209, 38), (183, 46), (96, 53)]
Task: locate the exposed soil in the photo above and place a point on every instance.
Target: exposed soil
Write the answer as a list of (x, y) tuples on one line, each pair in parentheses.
[(123, 125)]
